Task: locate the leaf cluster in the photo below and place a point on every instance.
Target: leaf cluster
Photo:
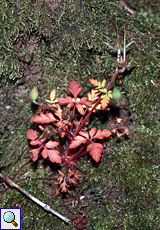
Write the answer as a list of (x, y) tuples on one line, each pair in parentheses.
[(63, 123)]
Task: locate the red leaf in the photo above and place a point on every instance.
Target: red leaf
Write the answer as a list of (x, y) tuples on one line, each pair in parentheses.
[(77, 175), (95, 150), (61, 173), (36, 142), (72, 181), (44, 153), (92, 132), (84, 101), (43, 118), (65, 100), (77, 141), (100, 134), (75, 89), (84, 134), (58, 112), (52, 144), (35, 153), (70, 173), (63, 186), (54, 156), (80, 109), (32, 134), (105, 133)]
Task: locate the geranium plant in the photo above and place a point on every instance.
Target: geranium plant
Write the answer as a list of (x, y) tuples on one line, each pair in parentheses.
[(62, 135)]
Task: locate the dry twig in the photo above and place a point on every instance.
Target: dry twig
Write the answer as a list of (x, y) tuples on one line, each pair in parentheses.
[(43, 205)]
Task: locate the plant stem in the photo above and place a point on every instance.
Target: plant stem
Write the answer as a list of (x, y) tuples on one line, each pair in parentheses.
[(75, 133), (75, 156), (114, 77), (73, 115), (88, 115)]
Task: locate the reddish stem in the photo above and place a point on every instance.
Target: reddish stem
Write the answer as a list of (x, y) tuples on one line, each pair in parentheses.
[(67, 167), (88, 115), (75, 133), (69, 152), (114, 77), (60, 147), (73, 114), (75, 156), (82, 154)]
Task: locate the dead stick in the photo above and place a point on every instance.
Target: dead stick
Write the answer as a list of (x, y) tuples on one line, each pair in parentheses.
[(43, 205)]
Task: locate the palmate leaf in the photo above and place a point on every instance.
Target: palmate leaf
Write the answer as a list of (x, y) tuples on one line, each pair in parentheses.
[(105, 99), (84, 136), (93, 96), (46, 152), (63, 186), (66, 100), (100, 88), (79, 103), (53, 99), (100, 134), (53, 155), (75, 89), (43, 118), (52, 144), (78, 140), (95, 150), (98, 84), (35, 153), (32, 134)]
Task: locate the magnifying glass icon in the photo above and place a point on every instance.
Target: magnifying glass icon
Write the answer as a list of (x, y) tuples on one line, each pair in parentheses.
[(9, 217)]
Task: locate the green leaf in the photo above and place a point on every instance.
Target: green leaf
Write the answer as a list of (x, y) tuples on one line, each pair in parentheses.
[(116, 93)]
